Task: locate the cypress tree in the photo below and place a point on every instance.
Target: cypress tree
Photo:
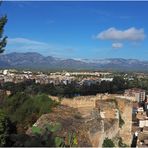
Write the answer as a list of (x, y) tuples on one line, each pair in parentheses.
[(3, 39)]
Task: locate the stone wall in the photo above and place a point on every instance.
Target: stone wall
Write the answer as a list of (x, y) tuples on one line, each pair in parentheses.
[(125, 108), (76, 103), (84, 101), (108, 108), (98, 137), (113, 96)]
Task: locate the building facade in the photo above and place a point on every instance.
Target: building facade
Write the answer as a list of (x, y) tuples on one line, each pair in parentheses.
[(139, 94)]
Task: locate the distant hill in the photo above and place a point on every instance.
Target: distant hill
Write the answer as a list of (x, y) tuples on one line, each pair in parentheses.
[(32, 60)]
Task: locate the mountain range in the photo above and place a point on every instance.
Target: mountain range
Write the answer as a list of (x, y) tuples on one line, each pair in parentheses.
[(33, 60)]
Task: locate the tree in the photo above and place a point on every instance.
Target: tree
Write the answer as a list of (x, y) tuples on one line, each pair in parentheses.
[(5, 129), (3, 39)]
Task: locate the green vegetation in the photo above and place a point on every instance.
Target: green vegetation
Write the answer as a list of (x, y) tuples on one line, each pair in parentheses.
[(6, 128), (72, 140), (3, 39), (25, 109), (26, 104), (3, 128), (36, 130), (108, 143), (48, 136), (139, 83), (118, 85), (121, 121), (53, 127)]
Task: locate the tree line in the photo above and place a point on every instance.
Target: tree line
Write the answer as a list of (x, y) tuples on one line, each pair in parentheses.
[(118, 85)]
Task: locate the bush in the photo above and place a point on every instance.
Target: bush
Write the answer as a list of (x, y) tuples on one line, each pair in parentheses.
[(6, 128), (25, 109), (121, 121), (108, 143)]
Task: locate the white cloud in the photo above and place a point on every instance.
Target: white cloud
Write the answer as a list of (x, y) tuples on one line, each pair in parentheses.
[(24, 41), (131, 34), (117, 45), (27, 45)]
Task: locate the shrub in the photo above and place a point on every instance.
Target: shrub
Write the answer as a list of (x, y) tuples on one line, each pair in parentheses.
[(108, 143), (25, 109), (121, 121)]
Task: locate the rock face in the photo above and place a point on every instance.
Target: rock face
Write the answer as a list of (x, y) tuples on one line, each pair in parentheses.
[(92, 119)]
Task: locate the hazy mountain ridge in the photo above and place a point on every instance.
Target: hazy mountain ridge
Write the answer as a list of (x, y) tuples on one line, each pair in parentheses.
[(36, 60)]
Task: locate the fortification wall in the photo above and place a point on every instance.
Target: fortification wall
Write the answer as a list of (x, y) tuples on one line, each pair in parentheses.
[(125, 108), (114, 96), (77, 103), (84, 101), (98, 137)]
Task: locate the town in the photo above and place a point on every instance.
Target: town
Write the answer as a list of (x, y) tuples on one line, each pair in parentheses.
[(12, 75)]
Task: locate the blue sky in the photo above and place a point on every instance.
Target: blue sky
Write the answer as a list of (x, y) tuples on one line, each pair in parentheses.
[(92, 30)]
